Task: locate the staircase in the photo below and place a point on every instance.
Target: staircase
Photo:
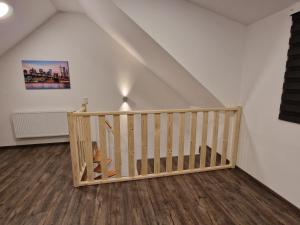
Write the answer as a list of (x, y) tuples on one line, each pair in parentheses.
[(100, 160)]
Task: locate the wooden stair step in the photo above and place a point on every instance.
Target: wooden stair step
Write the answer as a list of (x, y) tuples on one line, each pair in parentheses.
[(98, 168), (98, 157), (110, 173)]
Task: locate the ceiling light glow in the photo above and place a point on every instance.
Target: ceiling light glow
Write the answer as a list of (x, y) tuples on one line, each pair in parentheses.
[(5, 10)]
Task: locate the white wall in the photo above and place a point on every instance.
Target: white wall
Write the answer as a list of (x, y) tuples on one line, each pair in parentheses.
[(206, 44), (270, 148), (100, 69), (140, 45), (237, 64)]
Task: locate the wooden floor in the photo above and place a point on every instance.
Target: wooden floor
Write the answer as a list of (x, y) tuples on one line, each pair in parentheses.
[(36, 188), (163, 162)]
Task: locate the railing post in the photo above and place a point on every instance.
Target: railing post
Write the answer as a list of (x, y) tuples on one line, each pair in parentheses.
[(157, 143), (204, 140), (131, 158), (117, 144), (225, 138), (214, 147), (88, 148), (193, 141), (236, 134), (73, 148), (103, 145), (169, 162), (144, 135), (180, 160)]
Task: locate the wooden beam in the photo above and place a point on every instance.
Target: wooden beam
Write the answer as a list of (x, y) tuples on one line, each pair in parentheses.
[(169, 142), (150, 176), (215, 139), (131, 162), (157, 143), (144, 136), (193, 140), (88, 148), (225, 138), (155, 111), (79, 136), (204, 140), (236, 133), (74, 149), (181, 141), (103, 145), (117, 145)]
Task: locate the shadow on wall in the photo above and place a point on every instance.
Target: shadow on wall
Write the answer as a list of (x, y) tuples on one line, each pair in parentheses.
[(144, 49), (247, 152)]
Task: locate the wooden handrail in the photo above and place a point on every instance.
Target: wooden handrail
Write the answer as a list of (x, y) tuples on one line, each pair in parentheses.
[(156, 111), (83, 108), (216, 118)]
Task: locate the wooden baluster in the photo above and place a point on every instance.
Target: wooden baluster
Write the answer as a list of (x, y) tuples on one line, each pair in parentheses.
[(204, 140), (181, 141), (130, 126), (225, 138), (74, 149), (103, 145), (81, 140), (215, 139), (236, 133), (193, 140), (144, 129), (169, 143), (88, 148), (80, 151), (157, 144), (117, 145)]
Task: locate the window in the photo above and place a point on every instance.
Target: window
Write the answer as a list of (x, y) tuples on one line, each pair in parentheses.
[(290, 100)]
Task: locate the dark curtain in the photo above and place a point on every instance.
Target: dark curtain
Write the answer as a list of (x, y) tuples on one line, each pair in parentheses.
[(290, 100)]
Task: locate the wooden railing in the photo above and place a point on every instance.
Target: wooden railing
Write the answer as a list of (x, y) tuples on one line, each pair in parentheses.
[(183, 134)]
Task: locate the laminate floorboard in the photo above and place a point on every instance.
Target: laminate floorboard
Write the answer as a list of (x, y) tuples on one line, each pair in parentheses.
[(36, 189)]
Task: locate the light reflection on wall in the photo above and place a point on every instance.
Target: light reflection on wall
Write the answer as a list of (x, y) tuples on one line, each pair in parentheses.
[(125, 107), (125, 90), (118, 37), (125, 82)]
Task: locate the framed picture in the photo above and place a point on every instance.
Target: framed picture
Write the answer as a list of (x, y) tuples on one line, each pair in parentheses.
[(46, 74)]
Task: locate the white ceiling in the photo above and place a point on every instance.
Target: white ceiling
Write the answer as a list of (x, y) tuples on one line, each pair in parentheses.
[(68, 5), (27, 16), (245, 11)]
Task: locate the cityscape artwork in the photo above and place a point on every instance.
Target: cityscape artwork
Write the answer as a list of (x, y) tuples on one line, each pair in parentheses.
[(46, 74)]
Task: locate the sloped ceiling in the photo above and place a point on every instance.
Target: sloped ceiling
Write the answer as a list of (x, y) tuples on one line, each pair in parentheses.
[(244, 11), (29, 14), (26, 17), (148, 52), (68, 6)]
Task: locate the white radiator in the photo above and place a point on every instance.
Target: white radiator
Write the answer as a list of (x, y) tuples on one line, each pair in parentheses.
[(40, 124)]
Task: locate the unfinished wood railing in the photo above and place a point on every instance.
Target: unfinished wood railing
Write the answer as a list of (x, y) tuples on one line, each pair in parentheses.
[(149, 144)]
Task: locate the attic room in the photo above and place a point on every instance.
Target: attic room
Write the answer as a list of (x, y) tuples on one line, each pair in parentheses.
[(149, 112)]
